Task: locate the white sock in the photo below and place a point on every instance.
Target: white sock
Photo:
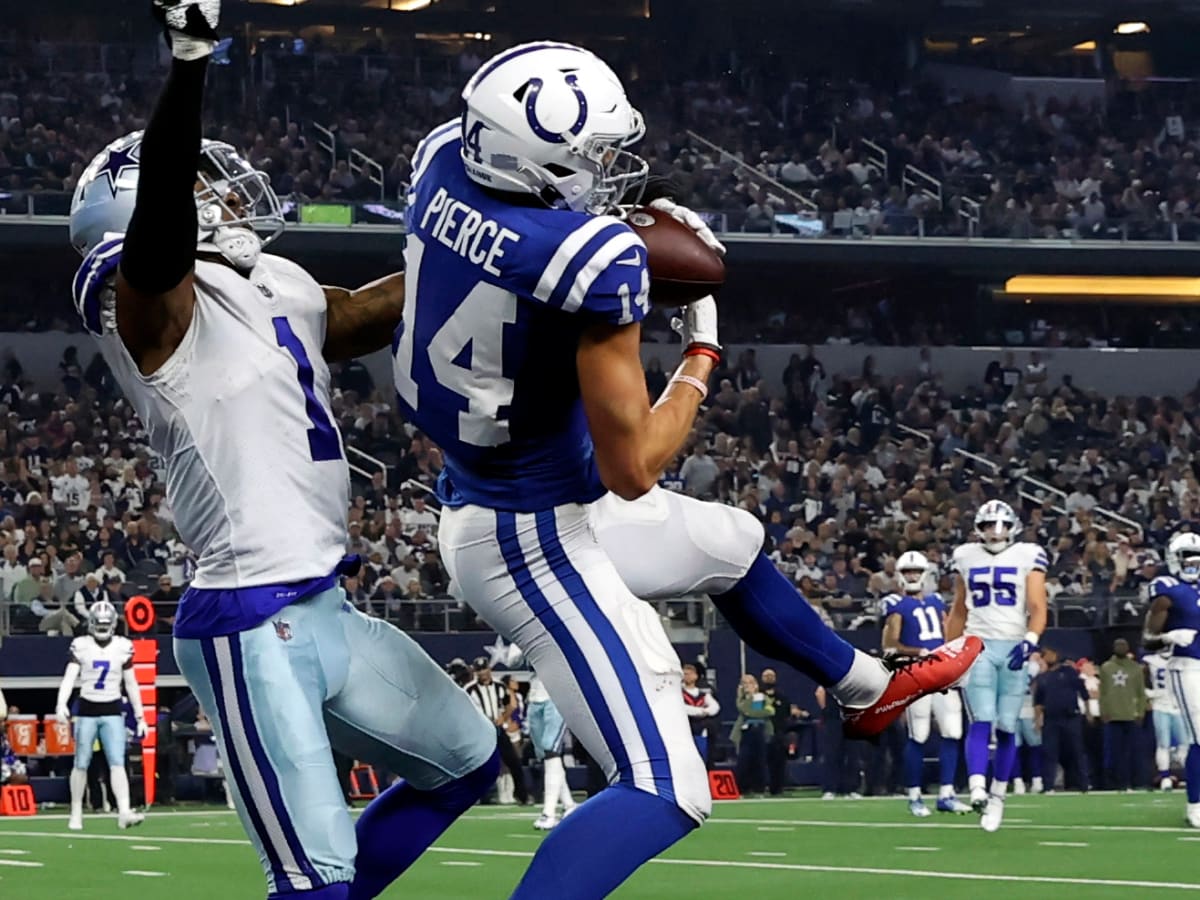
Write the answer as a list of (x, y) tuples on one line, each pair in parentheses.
[(504, 788), (946, 791), (1162, 759), (78, 786), (977, 783), (865, 683), (565, 798), (999, 788), (914, 793), (554, 776), (119, 779)]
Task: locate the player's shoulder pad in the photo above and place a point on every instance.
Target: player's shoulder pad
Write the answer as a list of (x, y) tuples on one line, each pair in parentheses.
[(1163, 586), (1036, 556), (93, 277), (78, 648), (892, 604), (593, 264), (438, 139)]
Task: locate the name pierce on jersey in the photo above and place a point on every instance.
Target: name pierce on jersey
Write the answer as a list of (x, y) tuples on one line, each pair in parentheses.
[(464, 230)]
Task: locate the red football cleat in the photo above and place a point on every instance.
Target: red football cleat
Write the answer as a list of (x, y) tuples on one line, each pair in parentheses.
[(912, 680)]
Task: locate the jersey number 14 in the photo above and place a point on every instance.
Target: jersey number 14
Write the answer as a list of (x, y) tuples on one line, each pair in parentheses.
[(464, 354)]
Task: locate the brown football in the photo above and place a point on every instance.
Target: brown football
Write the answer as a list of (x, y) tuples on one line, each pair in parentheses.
[(682, 267)]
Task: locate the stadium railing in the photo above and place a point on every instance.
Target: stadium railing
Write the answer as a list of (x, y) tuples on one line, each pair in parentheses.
[(49, 205), (1029, 488)]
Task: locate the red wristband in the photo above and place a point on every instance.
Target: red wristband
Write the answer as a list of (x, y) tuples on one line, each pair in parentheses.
[(698, 350)]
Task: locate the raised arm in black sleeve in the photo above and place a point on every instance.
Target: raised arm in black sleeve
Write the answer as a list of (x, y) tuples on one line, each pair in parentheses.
[(160, 245)]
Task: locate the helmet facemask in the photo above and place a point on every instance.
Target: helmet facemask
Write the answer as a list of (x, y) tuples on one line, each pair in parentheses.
[(913, 580), (237, 211), (995, 534), (1189, 565)]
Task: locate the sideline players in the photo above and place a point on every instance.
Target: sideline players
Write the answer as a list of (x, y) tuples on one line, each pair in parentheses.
[(220, 349), (1170, 738), (519, 357), (547, 733), (1000, 596), (1173, 622), (913, 625), (101, 663)]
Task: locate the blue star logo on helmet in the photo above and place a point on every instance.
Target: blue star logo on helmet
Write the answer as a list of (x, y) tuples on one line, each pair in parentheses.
[(116, 162)]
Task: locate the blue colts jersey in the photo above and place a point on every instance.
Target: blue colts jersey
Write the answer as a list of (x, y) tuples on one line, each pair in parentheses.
[(1184, 611), (497, 297), (920, 619)]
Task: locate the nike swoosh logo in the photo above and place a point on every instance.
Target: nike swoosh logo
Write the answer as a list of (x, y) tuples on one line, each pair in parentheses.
[(635, 260)]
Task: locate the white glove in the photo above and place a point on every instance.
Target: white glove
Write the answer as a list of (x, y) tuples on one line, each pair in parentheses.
[(141, 728), (62, 715), (1180, 637), (191, 25), (691, 220), (697, 324)]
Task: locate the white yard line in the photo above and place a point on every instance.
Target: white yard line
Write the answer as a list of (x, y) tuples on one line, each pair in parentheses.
[(138, 873), (1062, 844), (727, 864), (20, 864), (920, 849)]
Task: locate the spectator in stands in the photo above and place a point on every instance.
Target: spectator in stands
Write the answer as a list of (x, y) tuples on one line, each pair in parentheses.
[(56, 617), (700, 472), (89, 594), (108, 570), (12, 571), (166, 603)]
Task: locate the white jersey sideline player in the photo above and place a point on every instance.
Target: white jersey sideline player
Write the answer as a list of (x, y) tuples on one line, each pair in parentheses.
[(101, 664), (1000, 596)]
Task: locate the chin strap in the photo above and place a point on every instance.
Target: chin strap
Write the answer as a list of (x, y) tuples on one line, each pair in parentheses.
[(239, 245)]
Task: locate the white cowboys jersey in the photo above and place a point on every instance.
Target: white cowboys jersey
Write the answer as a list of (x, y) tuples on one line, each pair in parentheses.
[(256, 473), (101, 667), (1160, 692), (72, 491), (995, 588)]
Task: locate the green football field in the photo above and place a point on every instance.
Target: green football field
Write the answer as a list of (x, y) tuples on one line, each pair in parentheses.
[(1096, 846)]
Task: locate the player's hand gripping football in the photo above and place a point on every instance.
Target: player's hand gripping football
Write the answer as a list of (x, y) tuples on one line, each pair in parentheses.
[(191, 25), (691, 220)]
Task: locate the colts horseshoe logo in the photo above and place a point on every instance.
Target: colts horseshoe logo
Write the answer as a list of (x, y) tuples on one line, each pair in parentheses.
[(531, 95)]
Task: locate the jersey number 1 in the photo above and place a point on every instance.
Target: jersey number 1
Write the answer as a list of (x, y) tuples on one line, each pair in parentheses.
[(323, 441)]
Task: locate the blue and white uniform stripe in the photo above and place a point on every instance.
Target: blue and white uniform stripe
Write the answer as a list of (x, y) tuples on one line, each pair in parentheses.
[(256, 780), (99, 265)]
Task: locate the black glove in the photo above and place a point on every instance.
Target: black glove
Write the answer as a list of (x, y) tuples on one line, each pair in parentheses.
[(191, 25)]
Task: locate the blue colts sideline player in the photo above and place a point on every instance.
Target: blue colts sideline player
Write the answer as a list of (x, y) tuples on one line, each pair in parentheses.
[(1000, 596), (1173, 622), (102, 663), (220, 348), (518, 355), (914, 625)]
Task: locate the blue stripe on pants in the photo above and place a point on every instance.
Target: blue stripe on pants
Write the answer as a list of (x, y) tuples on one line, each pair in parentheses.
[(279, 876), (614, 647), (518, 570), (270, 779)]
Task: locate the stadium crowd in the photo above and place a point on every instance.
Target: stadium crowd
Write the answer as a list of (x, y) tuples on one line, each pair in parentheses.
[(1038, 169), (845, 473)]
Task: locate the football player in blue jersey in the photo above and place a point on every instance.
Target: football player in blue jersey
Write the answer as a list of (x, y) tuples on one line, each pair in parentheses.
[(519, 356), (221, 350), (1174, 622), (914, 625)]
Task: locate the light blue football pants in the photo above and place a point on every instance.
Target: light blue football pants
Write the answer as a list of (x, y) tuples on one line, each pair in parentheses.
[(316, 673)]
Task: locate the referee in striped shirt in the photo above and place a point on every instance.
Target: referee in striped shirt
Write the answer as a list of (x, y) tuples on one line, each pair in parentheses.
[(492, 699)]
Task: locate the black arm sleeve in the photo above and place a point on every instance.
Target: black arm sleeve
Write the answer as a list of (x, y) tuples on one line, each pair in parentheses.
[(160, 244)]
